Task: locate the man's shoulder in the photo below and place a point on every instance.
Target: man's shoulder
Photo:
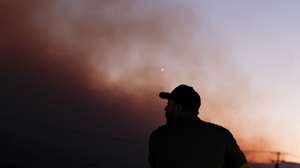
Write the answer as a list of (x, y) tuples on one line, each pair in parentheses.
[(160, 130), (215, 127), (204, 124)]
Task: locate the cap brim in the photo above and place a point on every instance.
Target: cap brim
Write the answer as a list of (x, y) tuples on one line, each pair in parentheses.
[(164, 95)]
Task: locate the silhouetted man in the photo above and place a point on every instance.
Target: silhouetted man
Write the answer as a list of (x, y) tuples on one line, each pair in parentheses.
[(185, 141)]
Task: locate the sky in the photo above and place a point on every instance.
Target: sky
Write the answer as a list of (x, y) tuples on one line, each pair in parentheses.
[(81, 79), (263, 40)]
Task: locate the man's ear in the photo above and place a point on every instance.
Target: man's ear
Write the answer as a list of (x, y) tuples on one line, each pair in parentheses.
[(178, 108)]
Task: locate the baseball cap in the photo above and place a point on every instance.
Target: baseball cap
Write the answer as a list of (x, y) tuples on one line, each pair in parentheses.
[(184, 95)]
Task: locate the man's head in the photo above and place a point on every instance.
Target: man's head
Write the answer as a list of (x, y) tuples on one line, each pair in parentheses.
[(182, 101)]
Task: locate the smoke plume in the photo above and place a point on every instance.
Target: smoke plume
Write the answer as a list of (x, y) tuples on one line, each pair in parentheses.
[(79, 80)]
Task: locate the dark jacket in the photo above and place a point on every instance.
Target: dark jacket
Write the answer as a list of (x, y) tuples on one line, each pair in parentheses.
[(192, 143)]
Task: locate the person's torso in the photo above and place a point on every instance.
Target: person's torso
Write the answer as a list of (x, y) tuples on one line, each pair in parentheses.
[(189, 146)]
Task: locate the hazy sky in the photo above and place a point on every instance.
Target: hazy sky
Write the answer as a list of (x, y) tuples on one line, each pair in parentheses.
[(97, 66), (241, 56), (262, 40)]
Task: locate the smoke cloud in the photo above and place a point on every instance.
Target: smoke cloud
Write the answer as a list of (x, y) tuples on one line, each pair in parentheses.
[(80, 79), (74, 89)]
